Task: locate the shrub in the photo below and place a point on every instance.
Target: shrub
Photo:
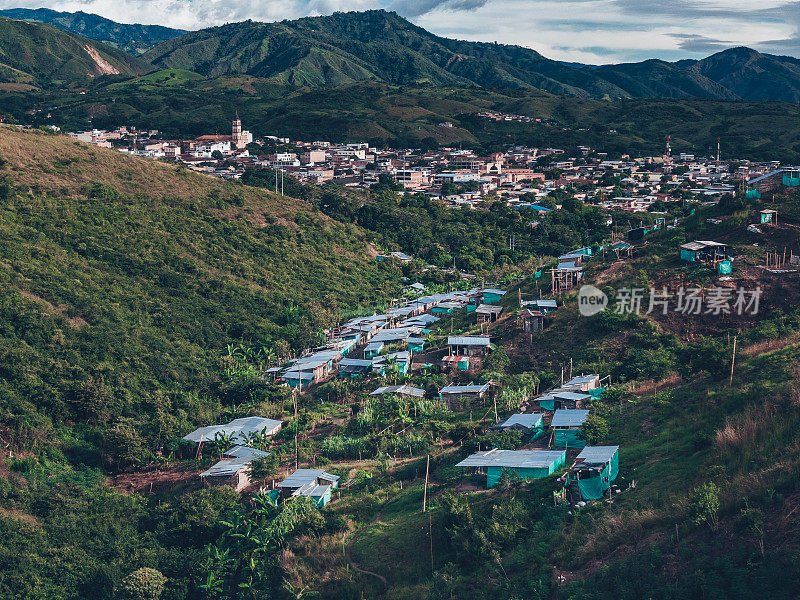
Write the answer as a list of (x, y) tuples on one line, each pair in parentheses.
[(143, 584), (594, 429), (704, 504), (103, 191)]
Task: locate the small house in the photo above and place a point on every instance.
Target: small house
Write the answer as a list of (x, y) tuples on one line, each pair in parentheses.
[(530, 321), (530, 424), (493, 296), (373, 349), (524, 464), (704, 251), (566, 426), (595, 468), (457, 396), (238, 431), (487, 313), (310, 483), (233, 469), (461, 345), (353, 367), (542, 305), (585, 383), (400, 390), (452, 361), (416, 344), (446, 308), (399, 362), (568, 399), (769, 217)]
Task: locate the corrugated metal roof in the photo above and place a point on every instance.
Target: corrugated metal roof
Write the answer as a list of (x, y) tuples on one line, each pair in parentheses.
[(530, 459), (464, 389), (239, 429), (355, 362), (226, 467), (403, 390), (571, 396), (298, 374), (700, 244), (597, 454), (546, 303), (488, 309), (494, 291), (463, 340), (312, 491), (582, 379), (569, 417), (246, 452), (529, 420), (303, 477)]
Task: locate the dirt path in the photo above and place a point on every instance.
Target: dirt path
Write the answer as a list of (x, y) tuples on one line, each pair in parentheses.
[(350, 545)]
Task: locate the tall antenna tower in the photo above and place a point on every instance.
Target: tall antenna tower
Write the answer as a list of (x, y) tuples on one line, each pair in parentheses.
[(668, 153), (717, 155)]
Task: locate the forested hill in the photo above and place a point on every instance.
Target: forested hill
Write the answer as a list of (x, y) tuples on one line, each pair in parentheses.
[(132, 38), (39, 55), (382, 46), (369, 46)]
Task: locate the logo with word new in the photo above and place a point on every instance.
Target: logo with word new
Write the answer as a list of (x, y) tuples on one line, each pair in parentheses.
[(591, 300)]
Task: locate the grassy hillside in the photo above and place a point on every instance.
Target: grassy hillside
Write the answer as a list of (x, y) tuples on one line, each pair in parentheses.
[(45, 56), (131, 277)]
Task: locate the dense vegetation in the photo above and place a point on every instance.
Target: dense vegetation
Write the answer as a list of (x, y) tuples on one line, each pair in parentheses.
[(181, 104)]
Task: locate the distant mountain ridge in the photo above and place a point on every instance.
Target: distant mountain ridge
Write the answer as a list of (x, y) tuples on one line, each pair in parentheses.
[(132, 38), (378, 45), (381, 46)]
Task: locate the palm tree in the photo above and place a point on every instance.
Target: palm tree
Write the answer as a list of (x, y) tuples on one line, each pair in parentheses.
[(222, 441)]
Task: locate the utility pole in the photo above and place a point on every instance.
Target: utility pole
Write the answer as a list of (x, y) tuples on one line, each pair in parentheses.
[(425, 493), (733, 359), (297, 422)]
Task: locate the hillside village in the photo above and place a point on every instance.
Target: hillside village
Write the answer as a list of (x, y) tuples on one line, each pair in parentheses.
[(407, 422), (524, 177)]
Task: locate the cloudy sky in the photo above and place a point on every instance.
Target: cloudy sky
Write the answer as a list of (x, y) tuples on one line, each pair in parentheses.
[(591, 31)]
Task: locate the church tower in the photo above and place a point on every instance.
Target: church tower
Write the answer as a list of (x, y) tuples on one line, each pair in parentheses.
[(237, 128), (239, 136)]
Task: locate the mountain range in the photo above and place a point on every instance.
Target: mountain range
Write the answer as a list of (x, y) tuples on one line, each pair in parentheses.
[(381, 46)]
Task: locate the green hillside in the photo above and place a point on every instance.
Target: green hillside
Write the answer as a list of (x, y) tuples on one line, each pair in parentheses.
[(115, 267), (48, 57), (376, 45), (141, 300), (132, 38)]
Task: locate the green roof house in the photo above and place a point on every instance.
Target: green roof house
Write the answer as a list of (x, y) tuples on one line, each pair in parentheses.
[(595, 468), (525, 464)]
